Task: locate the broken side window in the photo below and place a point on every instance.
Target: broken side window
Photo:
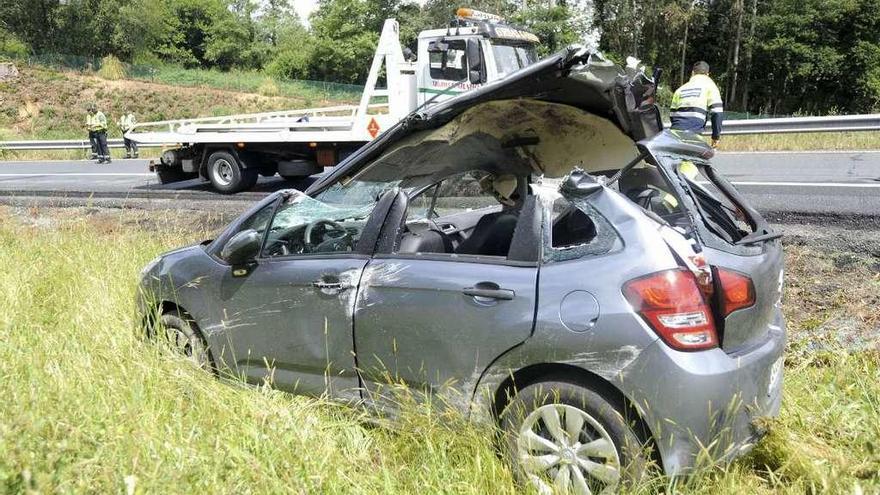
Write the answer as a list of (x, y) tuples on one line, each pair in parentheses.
[(577, 229)]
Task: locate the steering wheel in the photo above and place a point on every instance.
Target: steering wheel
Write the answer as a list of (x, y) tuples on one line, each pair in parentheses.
[(329, 241)]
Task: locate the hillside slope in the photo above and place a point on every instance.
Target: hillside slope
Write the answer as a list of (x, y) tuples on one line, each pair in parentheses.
[(47, 104)]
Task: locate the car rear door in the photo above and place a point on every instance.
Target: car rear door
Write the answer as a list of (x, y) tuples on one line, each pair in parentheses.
[(744, 252), (435, 321)]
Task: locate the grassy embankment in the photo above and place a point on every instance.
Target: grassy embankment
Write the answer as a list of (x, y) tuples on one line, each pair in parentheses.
[(48, 104), (90, 408)]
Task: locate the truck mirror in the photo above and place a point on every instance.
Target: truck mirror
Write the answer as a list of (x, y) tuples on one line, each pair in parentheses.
[(477, 73)]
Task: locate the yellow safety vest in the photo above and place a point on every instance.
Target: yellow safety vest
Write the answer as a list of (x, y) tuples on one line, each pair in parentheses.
[(97, 122), (126, 122)]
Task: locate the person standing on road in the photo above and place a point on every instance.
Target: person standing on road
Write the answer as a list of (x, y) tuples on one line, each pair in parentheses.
[(90, 124), (126, 122), (697, 101), (98, 125)]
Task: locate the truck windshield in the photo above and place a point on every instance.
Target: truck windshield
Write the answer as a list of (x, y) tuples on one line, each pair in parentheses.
[(511, 57)]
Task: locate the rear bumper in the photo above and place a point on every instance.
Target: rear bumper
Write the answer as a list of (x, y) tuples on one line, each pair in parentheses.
[(702, 407)]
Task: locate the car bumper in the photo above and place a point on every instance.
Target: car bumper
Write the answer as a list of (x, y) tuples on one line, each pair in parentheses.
[(704, 407)]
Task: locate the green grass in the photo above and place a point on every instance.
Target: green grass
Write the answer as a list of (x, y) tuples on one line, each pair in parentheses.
[(810, 141), (89, 407), (247, 82)]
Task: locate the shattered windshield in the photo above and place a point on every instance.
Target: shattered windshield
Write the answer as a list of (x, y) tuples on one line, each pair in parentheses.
[(299, 209), (331, 222)]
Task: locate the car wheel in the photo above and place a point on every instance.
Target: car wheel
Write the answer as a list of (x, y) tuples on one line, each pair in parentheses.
[(563, 438), (184, 339), (227, 174)]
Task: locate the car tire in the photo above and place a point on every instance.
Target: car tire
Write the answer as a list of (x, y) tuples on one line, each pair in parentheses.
[(183, 338), (228, 175), (563, 438)]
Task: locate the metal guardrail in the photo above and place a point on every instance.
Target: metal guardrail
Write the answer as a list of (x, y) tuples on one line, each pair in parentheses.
[(837, 123), (841, 123), (68, 144)]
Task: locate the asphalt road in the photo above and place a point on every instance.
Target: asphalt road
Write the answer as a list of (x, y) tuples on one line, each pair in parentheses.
[(837, 183)]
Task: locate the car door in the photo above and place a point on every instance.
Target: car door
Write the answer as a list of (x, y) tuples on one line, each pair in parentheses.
[(287, 316), (435, 321)]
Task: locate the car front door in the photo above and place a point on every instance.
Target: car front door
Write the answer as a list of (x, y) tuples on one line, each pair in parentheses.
[(287, 316), (435, 321)]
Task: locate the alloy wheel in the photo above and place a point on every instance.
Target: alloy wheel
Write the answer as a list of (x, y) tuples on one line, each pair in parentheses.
[(188, 345), (562, 447)]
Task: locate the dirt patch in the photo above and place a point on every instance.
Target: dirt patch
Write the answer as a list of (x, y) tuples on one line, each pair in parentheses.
[(47, 104)]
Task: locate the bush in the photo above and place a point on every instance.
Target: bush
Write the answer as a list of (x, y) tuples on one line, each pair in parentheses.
[(269, 88), (111, 68), (11, 47)]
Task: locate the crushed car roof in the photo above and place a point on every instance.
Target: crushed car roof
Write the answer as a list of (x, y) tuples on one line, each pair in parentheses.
[(573, 76)]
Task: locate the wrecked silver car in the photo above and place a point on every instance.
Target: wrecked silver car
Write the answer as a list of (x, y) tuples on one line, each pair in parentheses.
[(539, 252)]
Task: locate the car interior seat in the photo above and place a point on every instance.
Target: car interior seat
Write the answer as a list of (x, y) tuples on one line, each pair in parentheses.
[(494, 231)]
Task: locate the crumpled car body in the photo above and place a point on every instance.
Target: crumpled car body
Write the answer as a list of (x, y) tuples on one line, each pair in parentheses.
[(386, 273)]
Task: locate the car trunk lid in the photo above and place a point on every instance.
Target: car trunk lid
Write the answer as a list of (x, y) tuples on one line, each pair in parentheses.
[(731, 235)]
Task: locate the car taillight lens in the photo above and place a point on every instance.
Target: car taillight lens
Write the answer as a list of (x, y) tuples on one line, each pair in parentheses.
[(673, 305), (737, 291)]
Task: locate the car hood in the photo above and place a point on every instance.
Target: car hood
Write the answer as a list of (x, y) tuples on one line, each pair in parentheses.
[(574, 76)]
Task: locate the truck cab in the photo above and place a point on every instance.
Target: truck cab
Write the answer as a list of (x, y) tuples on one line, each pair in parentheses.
[(476, 48)]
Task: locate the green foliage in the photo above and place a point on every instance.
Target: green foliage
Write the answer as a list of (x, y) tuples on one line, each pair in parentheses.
[(12, 47), (768, 56), (556, 24)]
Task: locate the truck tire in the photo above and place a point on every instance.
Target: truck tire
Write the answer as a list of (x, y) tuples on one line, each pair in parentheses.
[(227, 174)]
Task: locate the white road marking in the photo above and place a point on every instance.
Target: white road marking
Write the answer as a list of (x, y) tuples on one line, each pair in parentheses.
[(807, 184), (79, 174), (789, 152)]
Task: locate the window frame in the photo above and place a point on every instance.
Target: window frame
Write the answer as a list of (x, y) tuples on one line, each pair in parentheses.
[(444, 64), (384, 252)]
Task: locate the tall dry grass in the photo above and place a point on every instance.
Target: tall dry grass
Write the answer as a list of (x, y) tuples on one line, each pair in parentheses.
[(90, 407)]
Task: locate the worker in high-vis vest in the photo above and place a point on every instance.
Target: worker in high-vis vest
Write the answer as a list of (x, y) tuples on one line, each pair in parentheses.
[(93, 136), (697, 102), (126, 123), (97, 123)]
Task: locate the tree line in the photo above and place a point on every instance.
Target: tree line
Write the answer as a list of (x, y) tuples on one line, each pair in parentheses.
[(768, 56)]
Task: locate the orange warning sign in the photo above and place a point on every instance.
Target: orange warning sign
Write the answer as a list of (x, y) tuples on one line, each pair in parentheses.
[(373, 127)]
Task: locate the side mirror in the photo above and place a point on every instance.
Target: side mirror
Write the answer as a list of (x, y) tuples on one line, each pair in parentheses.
[(477, 72), (242, 247)]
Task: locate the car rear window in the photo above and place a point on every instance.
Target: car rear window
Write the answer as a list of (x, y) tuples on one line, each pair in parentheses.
[(722, 214)]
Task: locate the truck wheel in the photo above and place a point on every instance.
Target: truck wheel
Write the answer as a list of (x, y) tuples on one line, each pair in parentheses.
[(227, 175)]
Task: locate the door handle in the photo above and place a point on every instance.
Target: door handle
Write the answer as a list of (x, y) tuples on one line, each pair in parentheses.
[(320, 284), (501, 294), (329, 285)]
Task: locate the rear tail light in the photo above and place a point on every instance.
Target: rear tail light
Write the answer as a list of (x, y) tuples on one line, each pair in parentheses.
[(737, 291), (672, 303)]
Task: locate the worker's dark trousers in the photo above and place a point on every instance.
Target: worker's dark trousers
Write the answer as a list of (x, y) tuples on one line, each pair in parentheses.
[(93, 140), (131, 148), (103, 150)]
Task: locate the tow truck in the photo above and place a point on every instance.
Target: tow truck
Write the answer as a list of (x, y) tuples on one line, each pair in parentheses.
[(233, 151)]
